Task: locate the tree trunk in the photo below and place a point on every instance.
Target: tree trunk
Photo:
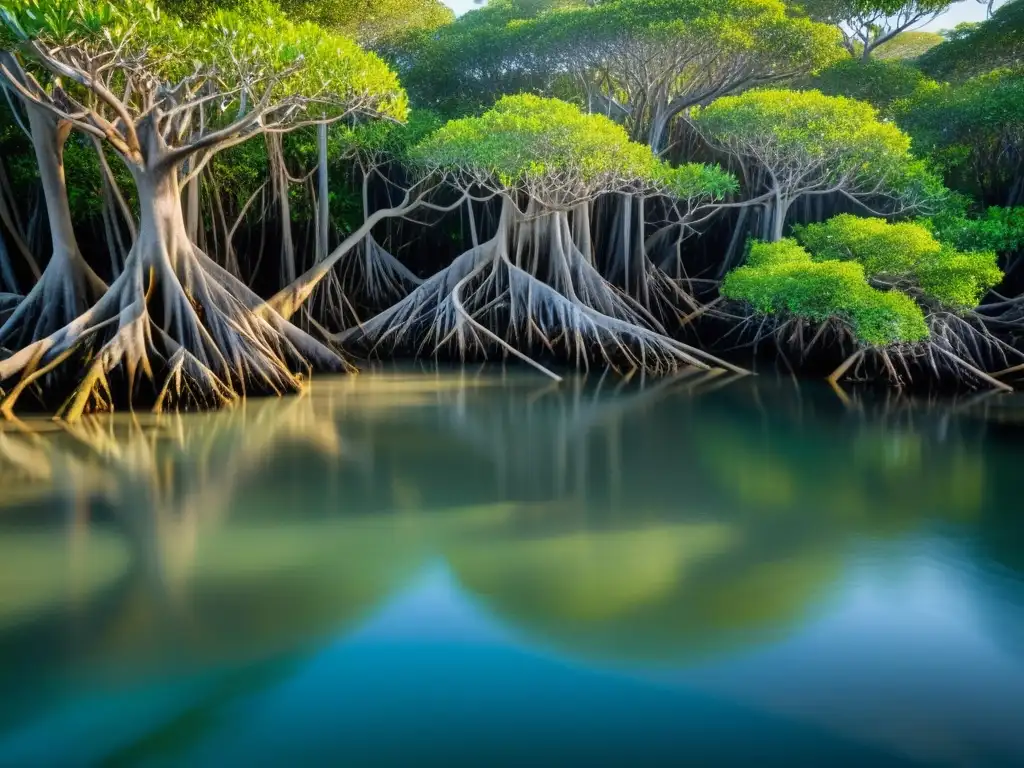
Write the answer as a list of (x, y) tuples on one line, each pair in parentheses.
[(780, 208), (68, 285), (192, 193), (323, 194), (659, 129), (192, 209), (174, 321)]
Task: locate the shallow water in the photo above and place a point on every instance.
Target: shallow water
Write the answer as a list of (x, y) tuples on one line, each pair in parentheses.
[(462, 568)]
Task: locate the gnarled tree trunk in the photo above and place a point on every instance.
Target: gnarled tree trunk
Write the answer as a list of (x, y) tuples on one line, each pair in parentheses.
[(174, 330), (530, 289), (68, 285)]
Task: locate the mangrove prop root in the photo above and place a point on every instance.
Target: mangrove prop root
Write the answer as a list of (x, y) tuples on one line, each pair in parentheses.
[(173, 319), (960, 347), (67, 288), (837, 374), (367, 276), (528, 288)]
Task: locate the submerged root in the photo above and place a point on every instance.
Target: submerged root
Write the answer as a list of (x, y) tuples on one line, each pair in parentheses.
[(491, 301), (172, 332)]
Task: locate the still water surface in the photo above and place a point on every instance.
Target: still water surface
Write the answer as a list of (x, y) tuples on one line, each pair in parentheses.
[(464, 569)]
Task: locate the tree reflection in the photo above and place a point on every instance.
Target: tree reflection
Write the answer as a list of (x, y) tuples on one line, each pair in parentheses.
[(762, 496), (656, 521), (197, 579)]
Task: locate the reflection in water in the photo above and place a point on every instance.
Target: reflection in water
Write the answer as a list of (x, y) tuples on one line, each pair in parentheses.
[(688, 522)]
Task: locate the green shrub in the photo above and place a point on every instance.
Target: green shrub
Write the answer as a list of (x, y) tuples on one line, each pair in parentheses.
[(906, 253), (882, 248), (1000, 230), (879, 82), (782, 278), (958, 278)]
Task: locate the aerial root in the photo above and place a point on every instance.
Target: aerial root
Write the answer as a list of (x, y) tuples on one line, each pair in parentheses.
[(178, 329), (366, 277), (961, 342), (309, 353), (67, 288), (484, 302), (375, 276), (838, 373)]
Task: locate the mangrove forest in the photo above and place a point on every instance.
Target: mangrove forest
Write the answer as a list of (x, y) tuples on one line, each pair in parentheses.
[(203, 200)]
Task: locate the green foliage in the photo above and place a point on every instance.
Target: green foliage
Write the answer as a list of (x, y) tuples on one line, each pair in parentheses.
[(905, 254), (873, 23), (958, 279), (837, 269), (882, 248), (975, 49), (782, 278), (973, 131), (552, 47), (793, 124), (1000, 230), (137, 28), (809, 141), (464, 67), (371, 22), (243, 46), (693, 181), (557, 154), (240, 171), (311, 63), (680, 52), (195, 10), (879, 82), (61, 21), (385, 139), (908, 45)]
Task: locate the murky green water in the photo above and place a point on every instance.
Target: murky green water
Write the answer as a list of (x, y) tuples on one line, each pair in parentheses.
[(466, 569)]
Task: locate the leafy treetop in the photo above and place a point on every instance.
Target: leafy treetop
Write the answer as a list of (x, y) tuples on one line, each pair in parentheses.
[(371, 22), (464, 67), (974, 49), (808, 142), (908, 45), (330, 72), (880, 82), (1000, 230), (558, 155), (907, 256), (868, 24), (974, 131), (242, 71), (655, 58), (782, 278)]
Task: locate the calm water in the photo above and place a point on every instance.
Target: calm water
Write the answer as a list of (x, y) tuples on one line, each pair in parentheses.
[(464, 569)]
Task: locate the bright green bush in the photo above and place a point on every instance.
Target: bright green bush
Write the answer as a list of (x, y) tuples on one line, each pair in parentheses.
[(907, 254), (782, 278), (880, 247), (877, 81), (558, 154), (973, 131), (958, 279)]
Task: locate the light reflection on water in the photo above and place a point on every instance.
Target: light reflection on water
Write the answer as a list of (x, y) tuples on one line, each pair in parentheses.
[(464, 567)]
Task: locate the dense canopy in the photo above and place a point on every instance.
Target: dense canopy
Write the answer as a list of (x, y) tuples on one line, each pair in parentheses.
[(201, 199), (559, 155)]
